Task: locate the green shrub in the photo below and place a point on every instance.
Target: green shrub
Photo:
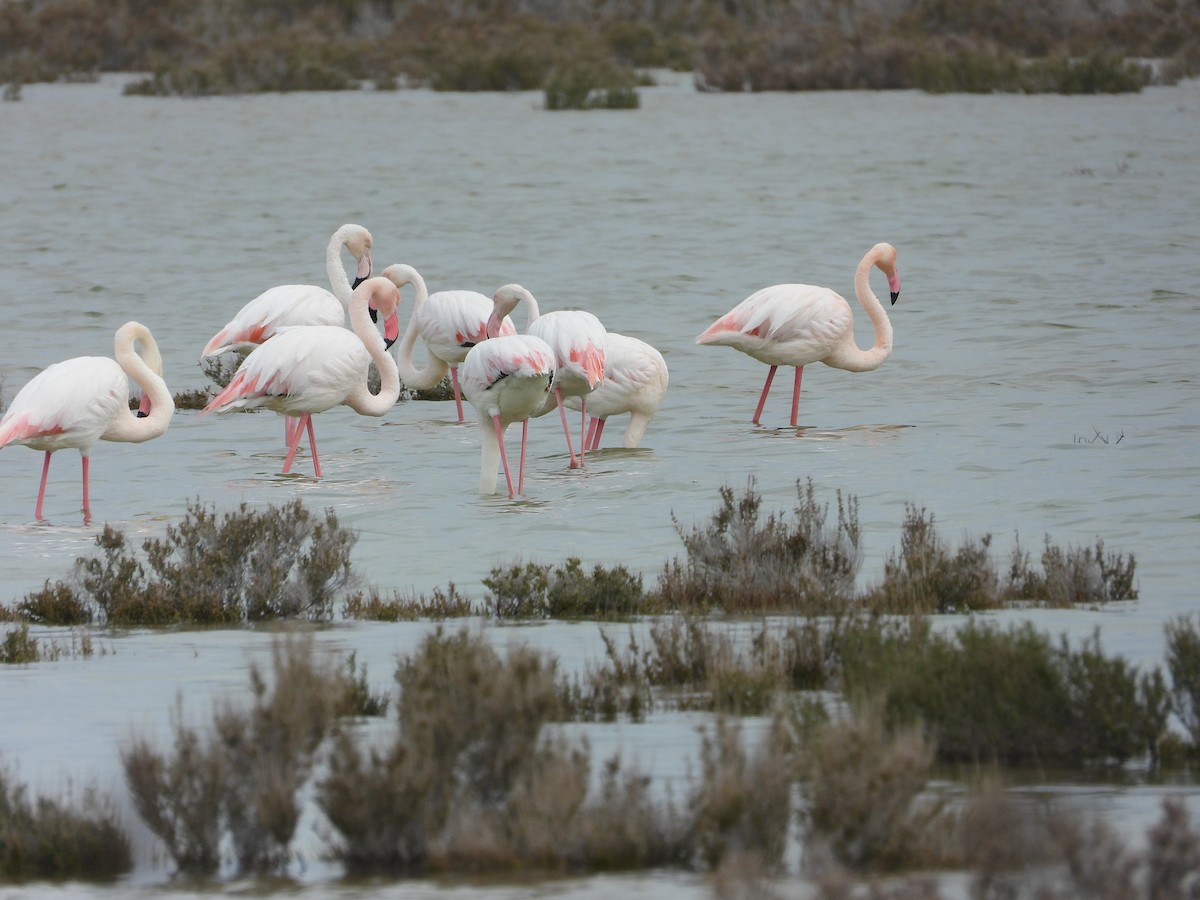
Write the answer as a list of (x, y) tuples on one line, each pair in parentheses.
[(583, 84), (448, 604), (533, 591), (19, 647), (1183, 663)]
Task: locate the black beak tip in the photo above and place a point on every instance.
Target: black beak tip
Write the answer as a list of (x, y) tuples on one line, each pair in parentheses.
[(895, 296), (357, 282), (387, 343), (142, 415), (375, 314)]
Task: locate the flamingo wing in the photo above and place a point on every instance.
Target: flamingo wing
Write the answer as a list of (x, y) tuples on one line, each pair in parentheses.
[(68, 404), (451, 322), (278, 307), (785, 324), (301, 370), (635, 378), (579, 342)]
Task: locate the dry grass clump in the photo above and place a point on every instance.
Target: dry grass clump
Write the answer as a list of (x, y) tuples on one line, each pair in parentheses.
[(370, 606), (49, 839), (1078, 575), (242, 780), (471, 784), (243, 566), (533, 591), (741, 562), (1010, 695)]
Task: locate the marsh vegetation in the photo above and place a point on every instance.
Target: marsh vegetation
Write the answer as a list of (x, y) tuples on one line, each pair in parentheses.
[(858, 700), (587, 55)]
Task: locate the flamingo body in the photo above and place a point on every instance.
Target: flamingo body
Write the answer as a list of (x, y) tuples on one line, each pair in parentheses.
[(635, 382), (799, 324), (307, 370), (80, 401), (506, 378), (579, 342)]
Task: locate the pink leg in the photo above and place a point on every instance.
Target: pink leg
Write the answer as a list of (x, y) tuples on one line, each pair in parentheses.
[(37, 513), (562, 411), (583, 429), (289, 423), (293, 444), (312, 444), (796, 394), (598, 426), (763, 399), (503, 455), (87, 507), (521, 474), (457, 391)]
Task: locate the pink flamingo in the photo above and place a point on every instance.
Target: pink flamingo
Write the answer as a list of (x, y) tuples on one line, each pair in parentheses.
[(79, 401), (579, 341), (299, 304), (635, 381), (506, 377), (798, 324), (309, 369)]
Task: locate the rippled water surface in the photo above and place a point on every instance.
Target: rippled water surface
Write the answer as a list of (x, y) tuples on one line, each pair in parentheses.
[(1043, 379)]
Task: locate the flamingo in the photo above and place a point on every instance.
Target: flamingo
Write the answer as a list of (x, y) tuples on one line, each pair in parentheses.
[(308, 369), (635, 381), (798, 324), (79, 401), (450, 323), (298, 304), (579, 341), (506, 378)]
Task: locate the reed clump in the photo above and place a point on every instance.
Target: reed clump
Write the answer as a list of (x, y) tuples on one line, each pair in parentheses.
[(408, 607), (51, 839), (241, 566)]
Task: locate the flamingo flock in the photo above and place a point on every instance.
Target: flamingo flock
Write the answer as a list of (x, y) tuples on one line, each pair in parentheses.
[(298, 358)]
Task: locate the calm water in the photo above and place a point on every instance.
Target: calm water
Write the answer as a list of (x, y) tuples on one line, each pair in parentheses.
[(1043, 379)]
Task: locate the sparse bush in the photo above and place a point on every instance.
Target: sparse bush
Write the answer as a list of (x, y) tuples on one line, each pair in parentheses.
[(584, 84), (244, 778), (247, 565), (863, 787), (533, 591), (49, 839), (1075, 576), (19, 646), (1183, 663), (738, 563)]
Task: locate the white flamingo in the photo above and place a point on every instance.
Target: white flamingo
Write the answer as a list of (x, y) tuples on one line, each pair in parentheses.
[(79, 401), (798, 324), (635, 381), (579, 341), (299, 304), (306, 370), (506, 378)]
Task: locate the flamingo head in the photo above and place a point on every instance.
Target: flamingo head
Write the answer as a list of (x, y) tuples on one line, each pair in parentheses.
[(358, 242), (885, 259), (504, 301), (383, 299)]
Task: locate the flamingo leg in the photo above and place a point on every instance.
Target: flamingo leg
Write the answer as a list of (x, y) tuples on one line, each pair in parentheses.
[(796, 394), (37, 513), (290, 423), (562, 411), (293, 443), (457, 393), (521, 474), (87, 507), (598, 427), (763, 399), (312, 444), (504, 456), (583, 430)]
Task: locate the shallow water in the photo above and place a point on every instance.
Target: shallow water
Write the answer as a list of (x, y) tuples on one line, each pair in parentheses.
[(1043, 380)]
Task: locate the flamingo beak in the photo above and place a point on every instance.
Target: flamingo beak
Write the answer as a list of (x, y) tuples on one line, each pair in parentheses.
[(144, 407), (362, 274), (894, 285), (391, 329)]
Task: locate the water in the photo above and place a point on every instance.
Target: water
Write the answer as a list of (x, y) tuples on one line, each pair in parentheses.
[(1043, 380)]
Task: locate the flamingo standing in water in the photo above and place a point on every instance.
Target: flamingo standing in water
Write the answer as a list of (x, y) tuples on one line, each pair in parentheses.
[(79, 401), (798, 324), (506, 377), (579, 342), (309, 369), (635, 381), (450, 323), (298, 304)]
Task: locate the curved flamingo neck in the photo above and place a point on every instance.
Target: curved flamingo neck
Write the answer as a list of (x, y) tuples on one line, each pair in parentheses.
[(362, 401), (338, 280), (145, 369), (851, 358), (435, 369)]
